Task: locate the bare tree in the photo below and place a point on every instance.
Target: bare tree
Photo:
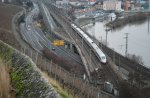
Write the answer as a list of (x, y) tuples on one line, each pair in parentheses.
[(135, 58)]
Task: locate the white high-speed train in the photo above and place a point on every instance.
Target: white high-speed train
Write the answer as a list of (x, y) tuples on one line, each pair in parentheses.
[(97, 50)]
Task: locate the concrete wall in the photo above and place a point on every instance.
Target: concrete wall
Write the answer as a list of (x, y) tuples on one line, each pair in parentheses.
[(26, 78)]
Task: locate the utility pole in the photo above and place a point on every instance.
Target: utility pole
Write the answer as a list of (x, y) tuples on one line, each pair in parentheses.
[(113, 55), (126, 43), (106, 35), (76, 36), (82, 44), (148, 24), (121, 46), (90, 57), (101, 41), (94, 38), (119, 62)]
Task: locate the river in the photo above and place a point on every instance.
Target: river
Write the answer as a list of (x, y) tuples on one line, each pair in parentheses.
[(138, 38)]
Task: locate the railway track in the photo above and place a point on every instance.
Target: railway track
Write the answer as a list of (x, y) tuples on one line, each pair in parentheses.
[(106, 67), (95, 61), (89, 53)]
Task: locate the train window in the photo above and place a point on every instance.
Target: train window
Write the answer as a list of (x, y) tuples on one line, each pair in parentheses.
[(103, 57)]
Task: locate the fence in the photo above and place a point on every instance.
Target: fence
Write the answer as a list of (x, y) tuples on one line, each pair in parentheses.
[(64, 77)]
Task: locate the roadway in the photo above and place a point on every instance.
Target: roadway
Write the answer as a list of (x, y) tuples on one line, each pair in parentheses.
[(48, 20), (38, 40)]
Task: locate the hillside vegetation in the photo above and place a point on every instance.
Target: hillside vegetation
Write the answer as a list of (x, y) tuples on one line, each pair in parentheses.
[(25, 77), (5, 86)]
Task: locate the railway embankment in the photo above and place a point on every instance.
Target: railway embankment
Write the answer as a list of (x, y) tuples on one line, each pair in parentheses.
[(125, 62), (128, 19), (137, 81), (134, 77), (26, 79), (84, 21)]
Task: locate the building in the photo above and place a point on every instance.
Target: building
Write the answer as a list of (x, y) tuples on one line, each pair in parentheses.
[(91, 2), (62, 2), (99, 6), (127, 5), (112, 5)]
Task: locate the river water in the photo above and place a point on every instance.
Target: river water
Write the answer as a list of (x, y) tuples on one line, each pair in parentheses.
[(138, 38)]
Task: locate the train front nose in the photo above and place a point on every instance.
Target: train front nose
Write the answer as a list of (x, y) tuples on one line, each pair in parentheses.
[(103, 61)]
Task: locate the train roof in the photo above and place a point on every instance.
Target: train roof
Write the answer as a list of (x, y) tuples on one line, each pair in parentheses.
[(85, 35), (98, 49), (90, 40)]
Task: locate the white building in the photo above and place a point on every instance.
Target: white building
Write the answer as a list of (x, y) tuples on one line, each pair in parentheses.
[(112, 5), (91, 2), (112, 16), (62, 2)]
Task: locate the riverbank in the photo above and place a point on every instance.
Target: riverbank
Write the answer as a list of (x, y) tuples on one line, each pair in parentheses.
[(129, 19), (84, 21)]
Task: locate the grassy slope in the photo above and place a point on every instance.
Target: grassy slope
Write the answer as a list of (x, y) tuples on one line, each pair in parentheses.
[(63, 92)]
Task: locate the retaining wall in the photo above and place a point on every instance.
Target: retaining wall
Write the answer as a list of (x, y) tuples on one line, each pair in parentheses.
[(26, 78)]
